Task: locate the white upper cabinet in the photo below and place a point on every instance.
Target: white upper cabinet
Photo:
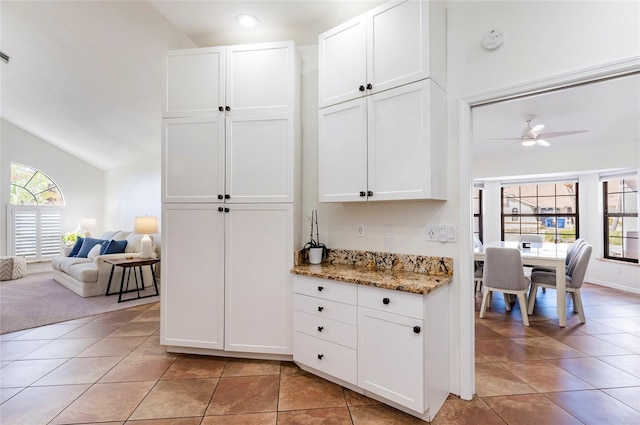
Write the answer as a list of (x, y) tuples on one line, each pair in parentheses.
[(342, 162), (260, 78), (398, 43), (243, 79), (194, 82), (388, 146), (193, 165), (259, 164), (342, 62), (407, 143)]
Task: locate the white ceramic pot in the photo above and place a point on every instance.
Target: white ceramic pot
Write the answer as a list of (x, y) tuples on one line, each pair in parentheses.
[(315, 255)]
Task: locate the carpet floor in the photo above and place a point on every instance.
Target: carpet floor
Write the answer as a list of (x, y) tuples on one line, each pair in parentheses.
[(37, 300)]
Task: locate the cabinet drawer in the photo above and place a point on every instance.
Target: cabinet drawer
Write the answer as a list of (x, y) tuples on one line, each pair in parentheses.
[(333, 359), (326, 289), (396, 302), (325, 308), (326, 329)]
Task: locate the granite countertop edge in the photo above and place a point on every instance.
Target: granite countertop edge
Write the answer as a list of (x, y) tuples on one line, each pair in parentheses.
[(399, 280)]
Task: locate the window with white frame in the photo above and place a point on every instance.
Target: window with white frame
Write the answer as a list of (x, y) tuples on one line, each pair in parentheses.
[(549, 209), (35, 214), (620, 213)]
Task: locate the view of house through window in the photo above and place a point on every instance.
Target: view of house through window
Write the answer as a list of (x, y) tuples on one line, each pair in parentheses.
[(35, 214), (547, 209), (621, 218), (477, 213)]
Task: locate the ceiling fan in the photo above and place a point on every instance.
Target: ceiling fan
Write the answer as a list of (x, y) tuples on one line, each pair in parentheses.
[(532, 136)]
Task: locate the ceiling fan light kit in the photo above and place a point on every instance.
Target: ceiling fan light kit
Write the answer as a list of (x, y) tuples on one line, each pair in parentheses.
[(532, 136)]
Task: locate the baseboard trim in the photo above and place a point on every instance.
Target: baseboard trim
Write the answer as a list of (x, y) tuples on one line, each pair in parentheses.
[(614, 286)]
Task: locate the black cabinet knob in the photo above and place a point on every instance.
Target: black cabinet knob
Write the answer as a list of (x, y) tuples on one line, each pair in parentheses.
[(369, 193), (363, 193), (361, 88), (417, 329), (220, 196), (369, 86), (220, 108), (226, 210), (320, 356), (385, 301), (320, 328), (220, 209), (227, 108), (320, 308), (227, 196), (320, 288)]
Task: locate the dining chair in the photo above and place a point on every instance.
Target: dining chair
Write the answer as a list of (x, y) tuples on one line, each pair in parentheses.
[(478, 265), (570, 255), (503, 273), (574, 278)]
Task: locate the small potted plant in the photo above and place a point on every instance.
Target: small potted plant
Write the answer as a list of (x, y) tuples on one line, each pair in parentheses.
[(70, 238), (314, 250)]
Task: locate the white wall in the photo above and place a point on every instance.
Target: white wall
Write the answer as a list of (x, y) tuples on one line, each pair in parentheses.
[(132, 190), (81, 183)]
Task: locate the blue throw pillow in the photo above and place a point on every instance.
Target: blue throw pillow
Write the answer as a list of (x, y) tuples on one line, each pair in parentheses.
[(76, 247), (87, 244), (113, 247)]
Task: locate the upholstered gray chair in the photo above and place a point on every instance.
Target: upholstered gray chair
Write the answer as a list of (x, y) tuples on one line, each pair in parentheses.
[(574, 278), (478, 265), (570, 255), (503, 273)]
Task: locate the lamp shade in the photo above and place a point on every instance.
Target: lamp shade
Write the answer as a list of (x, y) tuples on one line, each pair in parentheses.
[(88, 223), (145, 225)]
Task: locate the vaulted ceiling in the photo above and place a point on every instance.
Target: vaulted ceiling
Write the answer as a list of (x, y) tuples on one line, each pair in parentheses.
[(86, 76)]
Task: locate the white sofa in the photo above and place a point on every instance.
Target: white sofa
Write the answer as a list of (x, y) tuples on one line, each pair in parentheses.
[(89, 277)]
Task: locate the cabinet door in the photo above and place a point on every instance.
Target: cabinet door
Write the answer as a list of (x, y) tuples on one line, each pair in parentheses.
[(192, 295), (259, 158), (194, 82), (390, 357), (342, 172), (397, 44), (259, 255), (399, 149), (193, 159), (342, 62), (260, 78)]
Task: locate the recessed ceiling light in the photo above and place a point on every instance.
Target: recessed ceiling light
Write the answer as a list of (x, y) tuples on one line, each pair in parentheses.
[(247, 20)]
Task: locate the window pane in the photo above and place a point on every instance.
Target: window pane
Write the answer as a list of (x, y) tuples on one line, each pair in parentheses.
[(20, 175)]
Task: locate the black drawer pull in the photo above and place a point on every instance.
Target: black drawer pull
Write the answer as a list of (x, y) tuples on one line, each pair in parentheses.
[(369, 86), (220, 108), (320, 288), (320, 328), (220, 196), (320, 356), (385, 301), (220, 209), (361, 88), (417, 329), (320, 308)]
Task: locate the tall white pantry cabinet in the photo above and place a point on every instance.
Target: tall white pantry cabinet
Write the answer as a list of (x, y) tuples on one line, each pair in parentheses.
[(231, 146)]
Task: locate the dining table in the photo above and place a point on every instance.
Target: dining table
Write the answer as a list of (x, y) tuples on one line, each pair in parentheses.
[(547, 254)]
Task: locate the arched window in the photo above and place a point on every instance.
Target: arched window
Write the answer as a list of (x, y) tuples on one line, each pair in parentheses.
[(36, 214)]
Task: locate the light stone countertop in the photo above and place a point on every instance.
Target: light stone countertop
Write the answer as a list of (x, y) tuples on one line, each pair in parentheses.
[(408, 273)]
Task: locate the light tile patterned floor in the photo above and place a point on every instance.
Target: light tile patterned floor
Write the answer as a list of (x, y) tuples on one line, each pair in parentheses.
[(110, 369)]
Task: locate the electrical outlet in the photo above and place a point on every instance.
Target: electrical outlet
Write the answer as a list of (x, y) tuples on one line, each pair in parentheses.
[(360, 230), (432, 233)]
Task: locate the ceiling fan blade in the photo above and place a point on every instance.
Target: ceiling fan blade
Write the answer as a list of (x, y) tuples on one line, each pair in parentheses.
[(507, 138), (535, 131), (561, 133), (543, 142)]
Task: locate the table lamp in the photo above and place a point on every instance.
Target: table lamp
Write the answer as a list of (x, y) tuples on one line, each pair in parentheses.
[(144, 226), (87, 224)]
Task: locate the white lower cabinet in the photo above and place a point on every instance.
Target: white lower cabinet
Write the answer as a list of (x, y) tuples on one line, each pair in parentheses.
[(401, 352), (225, 277), (391, 356), (192, 295)]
